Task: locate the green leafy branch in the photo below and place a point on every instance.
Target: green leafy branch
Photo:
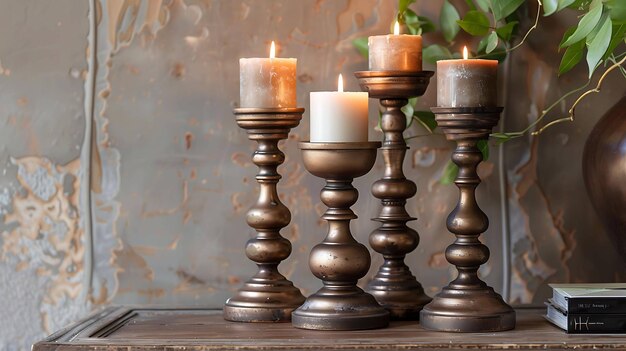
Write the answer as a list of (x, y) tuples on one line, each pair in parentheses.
[(597, 37), (600, 31)]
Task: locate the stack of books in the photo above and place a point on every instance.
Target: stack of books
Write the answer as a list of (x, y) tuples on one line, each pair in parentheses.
[(588, 308)]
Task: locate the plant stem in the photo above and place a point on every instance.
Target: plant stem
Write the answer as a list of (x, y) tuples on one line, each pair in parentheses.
[(572, 110), (532, 28)]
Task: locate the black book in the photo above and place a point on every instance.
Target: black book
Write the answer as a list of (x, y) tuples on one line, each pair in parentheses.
[(590, 298), (583, 323)]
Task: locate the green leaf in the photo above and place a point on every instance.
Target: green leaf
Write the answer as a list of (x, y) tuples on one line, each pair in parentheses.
[(550, 7), (572, 56), (449, 173), (586, 24), (503, 8), (617, 9), (410, 19), (408, 110), (617, 37), (505, 31), (447, 21), (597, 46), (434, 53), (483, 4), (361, 45), (563, 4), (492, 42), (470, 4), (414, 29), (475, 23), (568, 33), (483, 146), (426, 119), (498, 54), (482, 44), (403, 5), (426, 24), (416, 24)]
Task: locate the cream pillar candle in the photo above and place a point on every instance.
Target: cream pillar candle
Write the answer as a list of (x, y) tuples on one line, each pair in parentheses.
[(267, 82), (467, 82), (338, 116), (395, 52)]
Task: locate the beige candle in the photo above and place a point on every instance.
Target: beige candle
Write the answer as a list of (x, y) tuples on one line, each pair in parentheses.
[(467, 82), (395, 52), (267, 82), (339, 116)]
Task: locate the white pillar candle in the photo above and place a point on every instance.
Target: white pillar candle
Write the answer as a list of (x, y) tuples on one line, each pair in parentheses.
[(338, 116), (467, 82), (267, 82), (395, 52)]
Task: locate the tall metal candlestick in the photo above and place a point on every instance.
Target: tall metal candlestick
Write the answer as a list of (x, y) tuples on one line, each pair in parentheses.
[(268, 296), (394, 286), (339, 261), (467, 304)]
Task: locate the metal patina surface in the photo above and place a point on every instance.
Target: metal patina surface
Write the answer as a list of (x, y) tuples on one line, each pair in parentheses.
[(467, 304), (394, 286), (268, 296), (339, 261)]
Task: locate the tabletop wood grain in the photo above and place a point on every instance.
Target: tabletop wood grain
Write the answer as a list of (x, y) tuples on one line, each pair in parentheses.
[(199, 329)]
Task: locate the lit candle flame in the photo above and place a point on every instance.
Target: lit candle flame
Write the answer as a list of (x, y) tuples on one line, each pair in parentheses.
[(340, 83), (465, 54), (396, 28), (273, 50)]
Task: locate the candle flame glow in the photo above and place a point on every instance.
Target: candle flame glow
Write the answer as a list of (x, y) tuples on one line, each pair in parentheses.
[(396, 28), (273, 50), (465, 54), (340, 83)]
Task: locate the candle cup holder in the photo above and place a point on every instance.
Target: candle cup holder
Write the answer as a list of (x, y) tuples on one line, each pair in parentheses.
[(339, 261), (467, 304), (268, 296), (394, 286)]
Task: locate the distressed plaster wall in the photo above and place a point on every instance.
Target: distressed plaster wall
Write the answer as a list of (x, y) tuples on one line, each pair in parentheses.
[(125, 179)]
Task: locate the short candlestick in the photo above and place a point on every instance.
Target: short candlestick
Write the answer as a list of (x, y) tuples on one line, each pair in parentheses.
[(268, 296), (467, 304), (339, 261), (394, 286)]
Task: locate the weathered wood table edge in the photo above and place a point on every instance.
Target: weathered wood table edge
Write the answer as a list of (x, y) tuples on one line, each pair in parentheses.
[(142, 328)]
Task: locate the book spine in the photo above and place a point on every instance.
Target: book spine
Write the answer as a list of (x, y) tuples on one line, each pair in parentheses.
[(596, 305), (593, 323)]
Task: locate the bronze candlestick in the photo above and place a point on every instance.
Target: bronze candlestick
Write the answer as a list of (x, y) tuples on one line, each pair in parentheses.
[(394, 286), (268, 296), (467, 304), (339, 261)]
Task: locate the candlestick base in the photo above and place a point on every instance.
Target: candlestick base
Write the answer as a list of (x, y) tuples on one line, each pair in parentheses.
[(268, 296), (394, 286), (467, 304), (339, 261)]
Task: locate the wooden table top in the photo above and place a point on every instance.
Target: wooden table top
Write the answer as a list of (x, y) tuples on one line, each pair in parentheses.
[(201, 329)]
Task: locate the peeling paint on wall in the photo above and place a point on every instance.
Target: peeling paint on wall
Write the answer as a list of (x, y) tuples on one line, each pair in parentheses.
[(119, 22), (43, 234)]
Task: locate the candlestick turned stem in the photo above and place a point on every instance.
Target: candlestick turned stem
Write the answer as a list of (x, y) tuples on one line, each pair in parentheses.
[(394, 286), (268, 296), (467, 304), (339, 261)]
